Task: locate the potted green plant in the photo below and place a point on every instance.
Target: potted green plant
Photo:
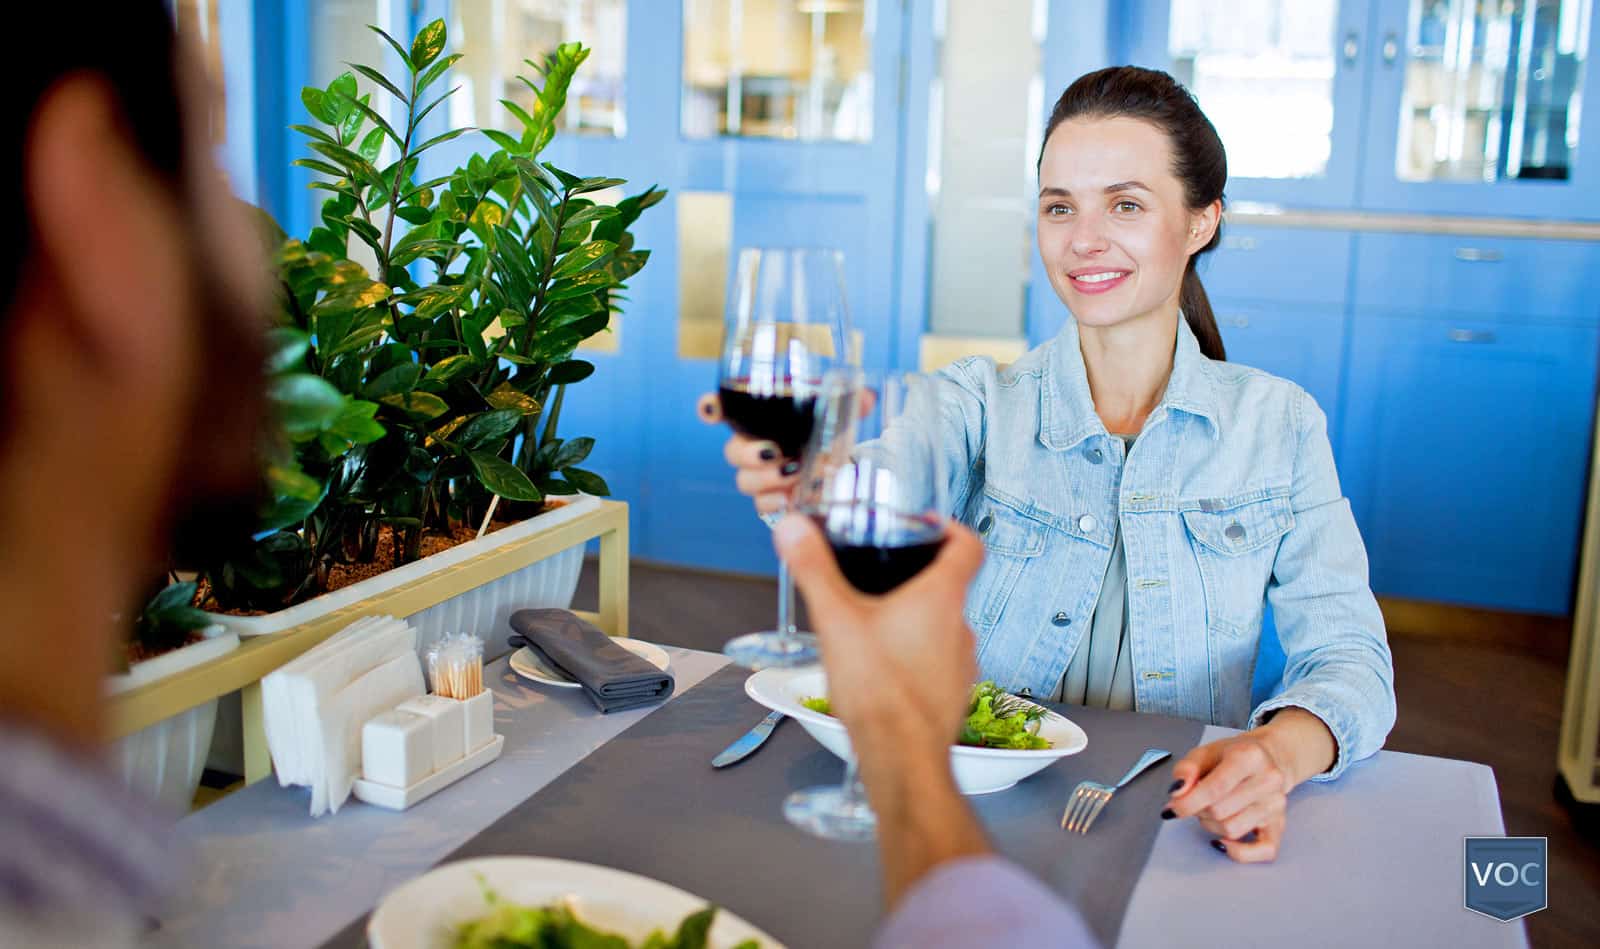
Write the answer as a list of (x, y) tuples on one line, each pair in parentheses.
[(420, 396)]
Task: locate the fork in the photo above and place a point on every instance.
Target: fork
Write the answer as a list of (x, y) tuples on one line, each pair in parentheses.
[(1089, 797)]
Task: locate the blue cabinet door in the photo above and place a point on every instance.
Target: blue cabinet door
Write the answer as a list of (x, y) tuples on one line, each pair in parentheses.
[(1466, 447), (1472, 111), (1300, 103)]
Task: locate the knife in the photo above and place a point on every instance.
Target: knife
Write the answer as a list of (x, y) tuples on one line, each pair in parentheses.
[(748, 742)]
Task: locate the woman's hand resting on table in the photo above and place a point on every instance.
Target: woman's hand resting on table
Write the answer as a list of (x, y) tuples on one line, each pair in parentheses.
[(1238, 788)]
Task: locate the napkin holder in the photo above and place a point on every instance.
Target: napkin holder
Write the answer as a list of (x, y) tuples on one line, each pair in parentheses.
[(392, 743)]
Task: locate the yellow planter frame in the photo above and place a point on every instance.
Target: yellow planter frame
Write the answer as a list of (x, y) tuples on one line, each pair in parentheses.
[(243, 669)]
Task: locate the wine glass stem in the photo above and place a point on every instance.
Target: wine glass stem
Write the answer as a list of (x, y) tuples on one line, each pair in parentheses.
[(786, 625), (853, 792)]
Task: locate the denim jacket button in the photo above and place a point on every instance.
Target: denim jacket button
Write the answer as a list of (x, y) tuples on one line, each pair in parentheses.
[(985, 523), (1235, 532), (1061, 619), (1096, 456), (1087, 523)]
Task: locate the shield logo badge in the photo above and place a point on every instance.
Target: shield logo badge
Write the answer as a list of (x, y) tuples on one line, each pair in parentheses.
[(1505, 876)]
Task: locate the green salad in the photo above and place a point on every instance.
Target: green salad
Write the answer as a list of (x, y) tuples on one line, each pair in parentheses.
[(513, 926), (995, 719)]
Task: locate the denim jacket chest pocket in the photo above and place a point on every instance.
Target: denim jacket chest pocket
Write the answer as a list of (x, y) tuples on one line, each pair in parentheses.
[(1011, 540), (1235, 542)]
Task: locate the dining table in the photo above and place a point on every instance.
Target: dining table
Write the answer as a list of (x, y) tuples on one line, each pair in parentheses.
[(1374, 858)]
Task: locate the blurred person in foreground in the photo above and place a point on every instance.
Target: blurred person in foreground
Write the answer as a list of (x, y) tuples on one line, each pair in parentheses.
[(131, 347), (130, 334)]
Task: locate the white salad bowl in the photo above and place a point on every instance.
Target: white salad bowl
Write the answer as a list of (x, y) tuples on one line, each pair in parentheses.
[(977, 770)]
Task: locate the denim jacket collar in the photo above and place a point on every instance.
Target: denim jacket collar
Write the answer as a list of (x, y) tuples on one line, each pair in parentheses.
[(1066, 410)]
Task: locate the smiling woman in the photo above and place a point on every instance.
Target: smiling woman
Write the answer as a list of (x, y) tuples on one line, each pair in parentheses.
[(1141, 501)]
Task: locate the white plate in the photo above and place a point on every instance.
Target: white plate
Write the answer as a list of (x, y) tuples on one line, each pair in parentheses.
[(424, 913), (977, 770), (530, 665)]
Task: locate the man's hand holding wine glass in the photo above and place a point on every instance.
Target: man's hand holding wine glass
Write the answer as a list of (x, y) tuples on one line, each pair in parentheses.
[(900, 670)]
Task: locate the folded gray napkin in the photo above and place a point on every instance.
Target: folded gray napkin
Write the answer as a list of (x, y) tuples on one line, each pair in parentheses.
[(613, 678)]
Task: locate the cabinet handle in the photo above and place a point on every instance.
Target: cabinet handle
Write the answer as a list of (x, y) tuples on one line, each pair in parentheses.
[(1239, 243), (1391, 49), (1458, 335), (1352, 47), (1479, 255)]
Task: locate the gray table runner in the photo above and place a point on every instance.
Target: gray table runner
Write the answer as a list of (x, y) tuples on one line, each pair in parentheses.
[(649, 802)]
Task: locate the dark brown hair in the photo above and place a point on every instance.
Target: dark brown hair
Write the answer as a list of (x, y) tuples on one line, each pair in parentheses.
[(1197, 159)]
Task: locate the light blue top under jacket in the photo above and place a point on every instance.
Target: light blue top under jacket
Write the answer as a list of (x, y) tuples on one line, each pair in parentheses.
[(1227, 500)]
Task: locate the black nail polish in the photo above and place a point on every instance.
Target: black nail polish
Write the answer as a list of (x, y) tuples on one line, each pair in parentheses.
[(1220, 846), (1168, 814), (1175, 785), (789, 468), (768, 454)]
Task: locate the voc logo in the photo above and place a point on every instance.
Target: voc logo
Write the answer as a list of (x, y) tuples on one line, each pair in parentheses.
[(1505, 876)]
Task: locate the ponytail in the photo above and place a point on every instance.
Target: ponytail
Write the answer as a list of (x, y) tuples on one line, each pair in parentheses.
[(1196, 307)]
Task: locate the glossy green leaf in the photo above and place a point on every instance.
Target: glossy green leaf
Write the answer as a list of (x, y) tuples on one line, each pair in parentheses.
[(286, 349), (487, 428), (507, 396), (503, 140), (586, 481), (428, 44), (316, 103), (382, 81), (398, 379), (321, 167), (306, 404), (585, 257), (394, 44), (503, 478), (372, 145), (350, 124), (572, 451), (441, 138), (573, 370), (414, 215), (424, 405), (438, 69), (450, 368), (577, 286), (417, 121)]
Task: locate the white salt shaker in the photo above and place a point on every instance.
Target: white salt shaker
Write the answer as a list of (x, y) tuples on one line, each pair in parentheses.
[(448, 727), (397, 748)]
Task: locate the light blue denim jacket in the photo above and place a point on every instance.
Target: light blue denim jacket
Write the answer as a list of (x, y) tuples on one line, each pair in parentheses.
[(1227, 500)]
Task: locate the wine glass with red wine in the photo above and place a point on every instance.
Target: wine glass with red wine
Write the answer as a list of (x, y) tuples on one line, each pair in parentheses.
[(876, 483), (787, 325)]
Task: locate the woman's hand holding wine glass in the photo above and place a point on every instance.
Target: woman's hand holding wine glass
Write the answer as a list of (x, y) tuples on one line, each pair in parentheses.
[(786, 326)]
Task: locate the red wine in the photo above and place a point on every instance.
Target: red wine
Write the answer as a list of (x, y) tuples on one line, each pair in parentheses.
[(878, 550), (778, 417)]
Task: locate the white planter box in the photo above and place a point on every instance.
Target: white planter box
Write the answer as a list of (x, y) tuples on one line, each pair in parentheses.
[(484, 610), (163, 762)]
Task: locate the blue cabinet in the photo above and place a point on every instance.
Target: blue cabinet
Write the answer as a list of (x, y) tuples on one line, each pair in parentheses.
[(1465, 107), (1282, 81), (1465, 452)]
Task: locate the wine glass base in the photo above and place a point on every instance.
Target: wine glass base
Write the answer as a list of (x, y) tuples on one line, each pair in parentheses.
[(827, 812), (772, 650)]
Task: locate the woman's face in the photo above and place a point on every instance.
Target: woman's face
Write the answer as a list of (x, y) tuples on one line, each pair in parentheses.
[(1115, 233)]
